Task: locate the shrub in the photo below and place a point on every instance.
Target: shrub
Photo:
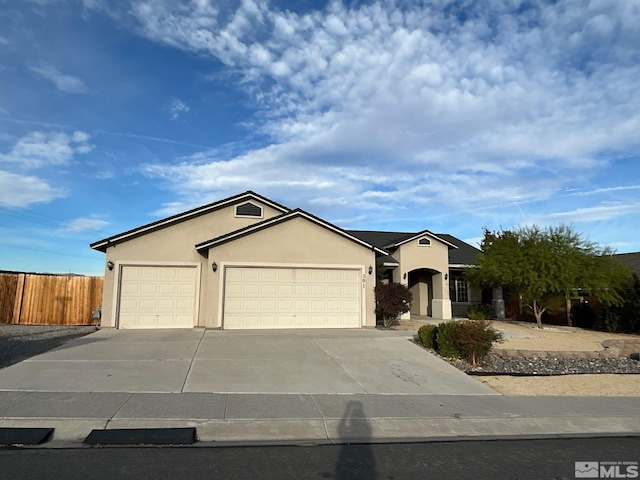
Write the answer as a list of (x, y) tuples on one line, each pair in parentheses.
[(446, 339), (624, 317), (392, 300), (427, 336), (480, 312), (474, 340)]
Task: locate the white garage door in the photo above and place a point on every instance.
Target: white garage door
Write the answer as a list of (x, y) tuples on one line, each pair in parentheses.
[(157, 297), (291, 298)]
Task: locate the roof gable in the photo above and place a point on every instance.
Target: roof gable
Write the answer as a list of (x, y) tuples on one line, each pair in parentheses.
[(101, 245), (285, 217)]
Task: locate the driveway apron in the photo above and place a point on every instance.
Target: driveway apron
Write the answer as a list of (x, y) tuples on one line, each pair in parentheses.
[(213, 361)]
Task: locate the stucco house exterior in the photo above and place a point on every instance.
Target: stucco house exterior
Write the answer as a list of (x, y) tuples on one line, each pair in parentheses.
[(247, 262)]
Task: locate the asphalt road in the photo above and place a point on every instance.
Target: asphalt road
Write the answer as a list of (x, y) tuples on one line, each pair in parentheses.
[(497, 459)]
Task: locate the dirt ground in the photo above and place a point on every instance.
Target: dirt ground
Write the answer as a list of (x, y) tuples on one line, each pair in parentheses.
[(602, 385), (524, 336)]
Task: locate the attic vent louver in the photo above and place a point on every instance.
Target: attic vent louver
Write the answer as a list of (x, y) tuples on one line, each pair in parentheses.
[(424, 242), (248, 210)]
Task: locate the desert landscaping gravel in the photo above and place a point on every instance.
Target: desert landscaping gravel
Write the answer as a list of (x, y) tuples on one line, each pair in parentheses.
[(495, 364), (19, 342)]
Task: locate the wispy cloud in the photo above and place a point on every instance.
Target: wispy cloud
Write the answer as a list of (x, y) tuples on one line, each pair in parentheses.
[(41, 149), (24, 190), (589, 214), (86, 224), (405, 110), (33, 151), (176, 107), (63, 82)]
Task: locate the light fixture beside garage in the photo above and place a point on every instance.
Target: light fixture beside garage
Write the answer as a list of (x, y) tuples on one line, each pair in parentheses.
[(370, 269), (214, 266), (110, 265)]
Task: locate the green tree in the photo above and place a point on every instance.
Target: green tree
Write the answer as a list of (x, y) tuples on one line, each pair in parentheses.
[(542, 265)]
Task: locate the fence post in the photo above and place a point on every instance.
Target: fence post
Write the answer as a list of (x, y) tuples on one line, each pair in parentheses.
[(17, 304)]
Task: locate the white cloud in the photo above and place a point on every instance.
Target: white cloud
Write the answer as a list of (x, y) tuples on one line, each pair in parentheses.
[(22, 191), (442, 106), (42, 149), (64, 83), (594, 213), (177, 107), (86, 224), (4, 41)]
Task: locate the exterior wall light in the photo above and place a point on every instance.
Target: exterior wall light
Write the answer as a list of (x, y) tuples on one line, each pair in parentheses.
[(110, 265), (404, 277), (446, 276), (370, 269), (214, 266)]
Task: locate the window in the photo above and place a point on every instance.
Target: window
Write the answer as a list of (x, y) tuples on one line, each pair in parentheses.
[(461, 290), (248, 210), (424, 242)]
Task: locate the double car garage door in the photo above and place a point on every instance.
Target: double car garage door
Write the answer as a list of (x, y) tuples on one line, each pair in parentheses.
[(254, 297)]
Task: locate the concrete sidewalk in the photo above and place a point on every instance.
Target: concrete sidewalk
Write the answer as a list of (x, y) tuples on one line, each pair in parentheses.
[(318, 418)]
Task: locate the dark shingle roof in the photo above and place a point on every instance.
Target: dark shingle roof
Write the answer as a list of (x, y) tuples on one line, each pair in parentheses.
[(630, 260), (380, 239), (463, 255)]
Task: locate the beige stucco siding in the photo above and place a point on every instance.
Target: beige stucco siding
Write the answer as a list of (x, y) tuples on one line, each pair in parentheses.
[(173, 245), (412, 256), (296, 243)]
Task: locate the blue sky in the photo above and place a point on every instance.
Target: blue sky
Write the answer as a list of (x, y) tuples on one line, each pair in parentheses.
[(446, 115)]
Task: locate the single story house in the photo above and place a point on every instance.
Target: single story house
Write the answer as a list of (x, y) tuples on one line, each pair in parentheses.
[(247, 262)]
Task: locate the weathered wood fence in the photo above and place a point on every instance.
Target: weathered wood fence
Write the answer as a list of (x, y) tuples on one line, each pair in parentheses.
[(35, 299)]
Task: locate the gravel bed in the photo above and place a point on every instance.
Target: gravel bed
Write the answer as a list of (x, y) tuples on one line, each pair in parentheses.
[(19, 342), (497, 365)]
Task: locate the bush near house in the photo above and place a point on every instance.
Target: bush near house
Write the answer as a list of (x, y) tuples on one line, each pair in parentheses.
[(480, 312), (392, 300), (471, 340), (427, 336)]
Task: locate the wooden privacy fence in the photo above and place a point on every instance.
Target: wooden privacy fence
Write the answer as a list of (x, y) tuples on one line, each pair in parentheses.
[(35, 299)]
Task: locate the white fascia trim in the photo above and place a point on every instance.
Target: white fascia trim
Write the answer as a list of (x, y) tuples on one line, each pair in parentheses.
[(126, 263), (425, 233), (461, 265), (222, 203), (261, 225)]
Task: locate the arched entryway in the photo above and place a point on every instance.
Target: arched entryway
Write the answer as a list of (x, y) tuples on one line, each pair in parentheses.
[(421, 285)]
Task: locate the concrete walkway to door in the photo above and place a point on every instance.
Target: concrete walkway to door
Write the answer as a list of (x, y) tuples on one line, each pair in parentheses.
[(213, 361)]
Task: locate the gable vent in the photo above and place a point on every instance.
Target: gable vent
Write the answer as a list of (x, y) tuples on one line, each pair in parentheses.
[(248, 210), (424, 242)]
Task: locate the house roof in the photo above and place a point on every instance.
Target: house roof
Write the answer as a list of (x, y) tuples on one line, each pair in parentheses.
[(101, 245), (465, 254), (630, 260), (297, 213), (460, 253), (386, 240)]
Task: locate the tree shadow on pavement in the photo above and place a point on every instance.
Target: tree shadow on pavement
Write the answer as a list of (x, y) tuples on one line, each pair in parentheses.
[(355, 460)]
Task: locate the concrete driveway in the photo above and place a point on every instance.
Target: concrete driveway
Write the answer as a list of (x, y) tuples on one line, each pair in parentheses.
[(212, 361)]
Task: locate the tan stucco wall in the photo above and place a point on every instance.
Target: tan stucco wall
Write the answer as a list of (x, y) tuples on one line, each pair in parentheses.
[(412, 256), (174, 244), (297, 242)]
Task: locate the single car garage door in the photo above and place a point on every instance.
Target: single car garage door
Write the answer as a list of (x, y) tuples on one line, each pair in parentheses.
[(269, 297), (157, 297)]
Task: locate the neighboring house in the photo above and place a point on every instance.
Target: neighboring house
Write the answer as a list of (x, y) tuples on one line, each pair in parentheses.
[(247, 262), (630, 260)]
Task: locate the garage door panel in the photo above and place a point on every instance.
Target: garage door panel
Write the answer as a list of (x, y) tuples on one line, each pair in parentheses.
[(157, 297), (270, 297)]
